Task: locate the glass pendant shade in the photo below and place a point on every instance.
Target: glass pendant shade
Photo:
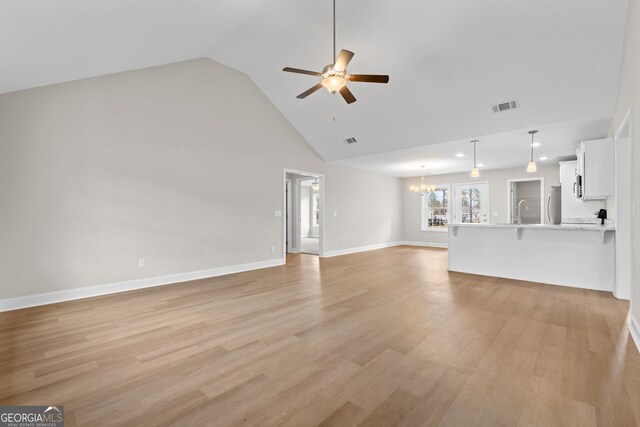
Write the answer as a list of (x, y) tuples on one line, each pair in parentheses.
[(531, 167), (475, 173)]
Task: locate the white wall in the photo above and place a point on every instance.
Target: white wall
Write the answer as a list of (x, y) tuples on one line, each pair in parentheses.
[(498, 197), (181, 165), (629, 99), (372, 202)]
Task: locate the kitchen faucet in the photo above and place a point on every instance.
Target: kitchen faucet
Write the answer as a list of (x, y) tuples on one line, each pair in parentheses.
[(526, 207)]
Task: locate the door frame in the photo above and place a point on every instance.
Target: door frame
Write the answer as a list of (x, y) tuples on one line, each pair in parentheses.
[(542, 199), (470, 183), (624, 133), (288, 244), (321, 222)]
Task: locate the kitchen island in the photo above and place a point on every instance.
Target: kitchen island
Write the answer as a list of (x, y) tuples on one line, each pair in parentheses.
[(576, 255)]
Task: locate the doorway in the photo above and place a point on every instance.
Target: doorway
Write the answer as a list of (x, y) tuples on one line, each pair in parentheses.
[(624, 212), (304, 213), (470, 203), (526, 201)]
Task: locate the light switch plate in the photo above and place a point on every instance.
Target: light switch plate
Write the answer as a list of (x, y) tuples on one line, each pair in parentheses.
[(278, 213)]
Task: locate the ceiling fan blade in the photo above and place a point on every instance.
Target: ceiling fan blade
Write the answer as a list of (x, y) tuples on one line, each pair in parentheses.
[(309, 91), (299, 71), (347, 95), (343, 60), (368, 78)]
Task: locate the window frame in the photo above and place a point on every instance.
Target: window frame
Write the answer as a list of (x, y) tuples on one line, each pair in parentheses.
[(424, 225)]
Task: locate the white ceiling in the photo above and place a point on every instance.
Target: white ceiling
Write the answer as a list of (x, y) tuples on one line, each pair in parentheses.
[(448, 60), (498, 151)]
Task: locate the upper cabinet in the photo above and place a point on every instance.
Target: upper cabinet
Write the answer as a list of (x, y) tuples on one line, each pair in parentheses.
[(596, 160)]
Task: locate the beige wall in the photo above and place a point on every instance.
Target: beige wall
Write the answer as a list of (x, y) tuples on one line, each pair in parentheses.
[(181, 165), (497, 180), (629, 99)]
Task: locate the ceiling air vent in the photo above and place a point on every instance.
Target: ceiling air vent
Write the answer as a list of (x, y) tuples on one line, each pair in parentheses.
[(350, 141), (505, 106)]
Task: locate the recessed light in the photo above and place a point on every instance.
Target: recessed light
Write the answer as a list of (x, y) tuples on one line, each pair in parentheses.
[(480, 165), (543, 158), (460, 155), (536, 144)]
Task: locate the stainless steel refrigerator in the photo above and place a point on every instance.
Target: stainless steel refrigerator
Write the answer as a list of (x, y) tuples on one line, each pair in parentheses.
[(554, 203)]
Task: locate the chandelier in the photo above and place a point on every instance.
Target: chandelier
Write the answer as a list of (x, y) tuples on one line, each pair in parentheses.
[(422, 188)]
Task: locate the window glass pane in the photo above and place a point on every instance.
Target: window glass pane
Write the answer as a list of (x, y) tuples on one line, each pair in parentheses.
[(471, 207), (435, 209)]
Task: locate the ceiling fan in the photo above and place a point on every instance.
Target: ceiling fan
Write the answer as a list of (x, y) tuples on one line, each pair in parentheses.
[(334, 76)]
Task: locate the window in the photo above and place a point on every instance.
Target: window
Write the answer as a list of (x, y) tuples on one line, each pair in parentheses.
[(470, 203), (435, 209)]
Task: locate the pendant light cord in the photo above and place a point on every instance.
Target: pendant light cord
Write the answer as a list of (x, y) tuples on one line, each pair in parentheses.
[(532, 147), (475, 163)]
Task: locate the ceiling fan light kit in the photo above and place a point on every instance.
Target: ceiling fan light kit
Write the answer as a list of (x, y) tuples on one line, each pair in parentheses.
[(334, 77)]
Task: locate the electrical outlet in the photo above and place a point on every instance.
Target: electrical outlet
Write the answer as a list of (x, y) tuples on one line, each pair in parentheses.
[(278, 213), (335, 213), (141, 263), (273, 249)]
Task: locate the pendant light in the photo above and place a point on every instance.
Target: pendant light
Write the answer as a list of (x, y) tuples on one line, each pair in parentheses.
[(531, 167), (316, 185), (475, 172)]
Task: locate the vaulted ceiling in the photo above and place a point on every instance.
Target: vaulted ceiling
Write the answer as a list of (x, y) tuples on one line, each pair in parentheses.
[(449, 61)]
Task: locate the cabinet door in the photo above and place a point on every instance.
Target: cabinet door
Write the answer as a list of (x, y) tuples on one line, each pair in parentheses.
[(597, 160), (573, 209)]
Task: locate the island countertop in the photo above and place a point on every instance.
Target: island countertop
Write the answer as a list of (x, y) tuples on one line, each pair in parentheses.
[(586, 226)]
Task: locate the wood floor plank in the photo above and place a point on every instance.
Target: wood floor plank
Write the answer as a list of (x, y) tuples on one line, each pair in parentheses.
[(386, 337)]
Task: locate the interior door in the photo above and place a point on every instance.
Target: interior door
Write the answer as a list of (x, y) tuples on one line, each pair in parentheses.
[(470, 203)]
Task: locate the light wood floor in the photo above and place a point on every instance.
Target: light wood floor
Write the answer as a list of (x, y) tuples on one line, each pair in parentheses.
[(386, 337)]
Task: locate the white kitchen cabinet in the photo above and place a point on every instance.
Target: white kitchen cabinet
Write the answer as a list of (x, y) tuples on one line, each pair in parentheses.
[(573, 209), (596, 160)]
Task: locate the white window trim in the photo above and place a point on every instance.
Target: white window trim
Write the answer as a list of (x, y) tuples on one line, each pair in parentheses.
[(543, 219), (422, 207)]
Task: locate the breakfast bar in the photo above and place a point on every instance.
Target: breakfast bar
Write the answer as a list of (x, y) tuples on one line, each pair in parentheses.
[(576, 255)]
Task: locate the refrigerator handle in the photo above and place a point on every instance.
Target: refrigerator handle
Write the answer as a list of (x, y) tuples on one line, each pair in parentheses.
[(548, 204)]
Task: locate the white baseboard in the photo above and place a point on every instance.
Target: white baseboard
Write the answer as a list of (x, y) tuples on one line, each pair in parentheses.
[(338, 252), (634, 328), (111, 288), (427, 244)]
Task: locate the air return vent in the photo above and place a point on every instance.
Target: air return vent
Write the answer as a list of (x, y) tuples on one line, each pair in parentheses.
[(349, 141), (505, 106)]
